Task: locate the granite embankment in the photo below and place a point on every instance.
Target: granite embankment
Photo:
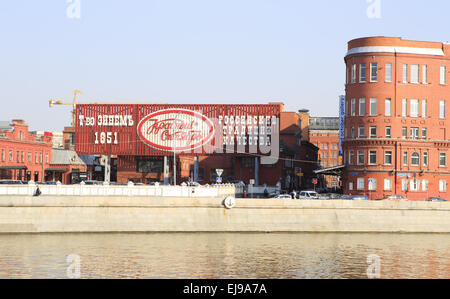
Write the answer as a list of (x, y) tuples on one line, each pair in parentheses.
[(55, 214)]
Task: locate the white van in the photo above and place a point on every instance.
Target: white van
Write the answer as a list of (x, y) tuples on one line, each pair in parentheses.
[(308, 195)]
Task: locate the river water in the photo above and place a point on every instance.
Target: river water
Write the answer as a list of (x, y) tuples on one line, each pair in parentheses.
[(223, 255)]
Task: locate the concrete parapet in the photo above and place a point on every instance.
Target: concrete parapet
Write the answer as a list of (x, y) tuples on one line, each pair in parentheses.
[(52, 214)]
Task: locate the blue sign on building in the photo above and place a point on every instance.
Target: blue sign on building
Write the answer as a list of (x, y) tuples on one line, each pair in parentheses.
[(341, 123)]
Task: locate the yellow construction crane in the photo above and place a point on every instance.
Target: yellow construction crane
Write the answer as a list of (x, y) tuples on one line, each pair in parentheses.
[(73, 104)]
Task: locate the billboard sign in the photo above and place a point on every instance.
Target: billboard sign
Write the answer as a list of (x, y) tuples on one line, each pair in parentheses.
[(161, 129), (175, 130)]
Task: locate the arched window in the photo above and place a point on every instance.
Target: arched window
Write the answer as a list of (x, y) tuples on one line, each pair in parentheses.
[(415, 159)]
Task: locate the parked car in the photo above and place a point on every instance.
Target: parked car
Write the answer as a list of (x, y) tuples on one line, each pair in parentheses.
[(308, 195), (330, 196), (395, 197), (345, 197), (11, 182), (192, 184), (93, 183), (324, 196), (335, 196), (283, 196), (358, 197), (435, 199)]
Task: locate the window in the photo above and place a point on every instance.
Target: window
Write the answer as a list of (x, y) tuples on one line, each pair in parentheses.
[(361, 133), (373, 72), (443, 75), (18, 157), (388, 184), (373, 107), (362, 107), (424, 133), (387, 107), (289, 161), (372, 184), (372, 157), (388, 77), (405, 74), (362, 73), (414, 108), (388, 157), (350, 157), (352, 132), (414, 185), (414, 133), (424, 108), (46, 158), (247, 162), (350, 186), (405, 185), (404, 132), (442, 159), (373, 132), (442, 109), (388, 132), (405, 158), (10, 156), (415, 159), (360, 183), (325, 146), (30, 157), (425, 158), (347, 75), (36, 158), (424, 185), (415, 73), (404, 107), (360, 158), (40, 158), (3, 155), (353, 107), (150, 166), (424, 74), (442, 186), (353, 73)]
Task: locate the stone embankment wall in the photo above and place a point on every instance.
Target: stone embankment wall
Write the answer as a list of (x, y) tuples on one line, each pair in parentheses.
[(54, 214)]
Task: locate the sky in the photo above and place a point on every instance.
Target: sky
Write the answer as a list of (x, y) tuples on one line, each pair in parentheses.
[(191, 51)]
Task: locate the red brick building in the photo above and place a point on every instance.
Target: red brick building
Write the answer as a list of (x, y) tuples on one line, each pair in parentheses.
[(323, 132), (397, 118), (27, 157), (23, 157)]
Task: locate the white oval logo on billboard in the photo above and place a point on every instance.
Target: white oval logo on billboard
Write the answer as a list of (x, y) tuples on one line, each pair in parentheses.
[(175, 130)]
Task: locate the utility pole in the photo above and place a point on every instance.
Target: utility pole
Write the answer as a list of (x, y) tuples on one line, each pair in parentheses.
[(174, 165)]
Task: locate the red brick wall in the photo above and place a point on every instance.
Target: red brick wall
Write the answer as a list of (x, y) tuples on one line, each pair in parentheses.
[(22, 142), (437, 129)]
